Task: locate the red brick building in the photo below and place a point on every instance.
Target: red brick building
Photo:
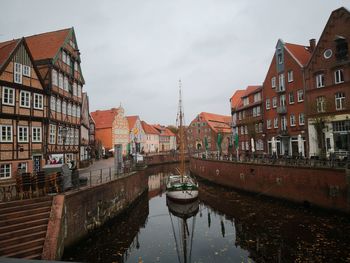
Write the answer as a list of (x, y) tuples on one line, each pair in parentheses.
[(203, 132), (283, 100), (249, 120), (328, 89), (235, 102)]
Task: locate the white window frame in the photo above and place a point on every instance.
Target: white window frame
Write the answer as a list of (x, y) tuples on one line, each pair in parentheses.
[(24, 99), (273, 82), (10, 96), (290, 76), (52, 134), (268, 105), (5, 171), (78, 112), (275, 122), (64, 107), (301, 119), (274, 102), (58, 105), (268, 124), (320, 104), (60, 80), (64, 56), (26, 70), (25, 134), (7, 129), (36, 134), (300, 92), (291, 95), (38, 101), (54, 77), (69, 109), (65, 83), (320, 81), (75, 89), (340, 100), (59, 135), (338, 76), (292, 120), (281, 84), (53, 103), (17, 73), (245, 101)]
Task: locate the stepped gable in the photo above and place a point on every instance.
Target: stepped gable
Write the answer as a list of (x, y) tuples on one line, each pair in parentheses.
[(149, 129), (218, 123), (104, 118)]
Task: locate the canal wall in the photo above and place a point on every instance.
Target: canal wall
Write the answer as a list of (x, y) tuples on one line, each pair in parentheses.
[(74, 214), (326, 188), (151, 160)]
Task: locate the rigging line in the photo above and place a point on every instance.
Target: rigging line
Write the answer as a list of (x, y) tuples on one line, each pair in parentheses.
[(177, 249)]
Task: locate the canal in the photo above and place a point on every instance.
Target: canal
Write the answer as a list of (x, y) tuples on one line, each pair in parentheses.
[(224, 226)]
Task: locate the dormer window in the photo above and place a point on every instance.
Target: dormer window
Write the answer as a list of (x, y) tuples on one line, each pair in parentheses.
[(341, 48)]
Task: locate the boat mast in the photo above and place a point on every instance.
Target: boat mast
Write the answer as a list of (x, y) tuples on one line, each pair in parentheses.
[(181, 133)]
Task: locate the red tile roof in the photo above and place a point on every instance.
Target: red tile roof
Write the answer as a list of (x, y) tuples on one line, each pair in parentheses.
[(6, 49), (149, 129), (46, 45), (104, 118), (132, 120), (236, 98), (218, 123), (251, 89), (301, 53), (164, 131), (168, 132)]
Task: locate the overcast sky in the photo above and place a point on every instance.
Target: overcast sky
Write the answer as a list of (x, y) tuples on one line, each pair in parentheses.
[(134, 52)]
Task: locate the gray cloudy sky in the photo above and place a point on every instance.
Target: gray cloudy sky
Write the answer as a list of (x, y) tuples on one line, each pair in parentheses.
[(134, 52)]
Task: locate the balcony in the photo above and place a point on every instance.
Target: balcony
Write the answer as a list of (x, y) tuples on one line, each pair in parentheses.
[(280, 89), (282, 110)]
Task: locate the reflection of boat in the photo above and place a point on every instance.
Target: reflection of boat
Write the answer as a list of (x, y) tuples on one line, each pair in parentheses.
[(181, 187), (184, 238)]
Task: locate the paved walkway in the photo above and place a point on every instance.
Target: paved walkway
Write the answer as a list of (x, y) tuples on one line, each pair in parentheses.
[(97, 165)]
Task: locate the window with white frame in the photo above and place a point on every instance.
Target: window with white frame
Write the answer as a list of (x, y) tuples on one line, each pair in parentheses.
[(53, 103), (321, 104), (320, 81), (52, 134), (65, 83), (60, 81), (38, 101), (291, 97), (64, 56), (243, 148), (5, 171), (58, 105), (242, 130), (292, 120), (76, 137), (257, 97), (339, 76), (17, 73), (23, 167), (26, 70), (74, 110), (68, 60), (36, 134), (245, 101), (290, 75), (6, 133), (247, 145), (268, 124), (78, 111), (59, 135), (281, 86), (246, 129), (301, 119), (24, 99), (340, 101), (69, 109), (283, 123), (273, 82), (75, 89), (258, 111), (22, 133), (54, 77), (64, 107), (267, 103), (274, 102), (300, 95), (8, 96), (275, 122)]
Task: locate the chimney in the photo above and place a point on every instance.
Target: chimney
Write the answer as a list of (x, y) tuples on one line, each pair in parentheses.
[(312, 42)]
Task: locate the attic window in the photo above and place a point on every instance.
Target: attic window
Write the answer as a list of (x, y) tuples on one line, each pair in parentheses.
[(341, 48)]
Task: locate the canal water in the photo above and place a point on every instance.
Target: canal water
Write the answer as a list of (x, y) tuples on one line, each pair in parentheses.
[(224, 226)]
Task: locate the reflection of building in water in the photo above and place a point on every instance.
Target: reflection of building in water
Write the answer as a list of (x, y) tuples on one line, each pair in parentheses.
[(156, 184)]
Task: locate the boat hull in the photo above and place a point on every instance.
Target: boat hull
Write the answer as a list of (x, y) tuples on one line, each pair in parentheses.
[(182, 195)]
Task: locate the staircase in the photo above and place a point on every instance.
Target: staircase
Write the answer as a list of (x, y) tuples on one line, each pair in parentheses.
[(23, 226)]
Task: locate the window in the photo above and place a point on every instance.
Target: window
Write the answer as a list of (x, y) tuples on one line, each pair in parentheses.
[(281, 82), (38, 101), (60, 81), (257, 97), (279, 57), (240, 115), (52, 138), (75, 89), (246, 129), (341, 48), (54, 77), (258, 110), (283, 123), (76, 66), (292, 120), (283, 100), (23, 167), (25, 99), (22, 134), (79, 91), (273, 82), (36, 134), (243, 114), (64, 56), (65, 83), (301, 119), (78, 111), (17, 73), (8, 96), (320, 81), (74, 111), (268, 124), (260, 127), (76, 137), (340, 101), (64, 107), (300, 95), (6, 133), (339, 76), (5, 171), (267, 104), (246, 101), (26, 70), (290, 76), (243, 148), (68, 60), (69, 109), (321, 104), (256, 127), (274, 102), (60, 135), (58, 105), (291, 98), (53, 103), (247, 145), (275, 122)]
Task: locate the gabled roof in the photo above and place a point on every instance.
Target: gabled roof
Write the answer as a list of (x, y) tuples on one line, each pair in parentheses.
[(218, 123), (236, 98), (168, 132), (132, 120), (6, 49), (251, 89), (301, 53), (149, 129), (46, 45), (104, 118)]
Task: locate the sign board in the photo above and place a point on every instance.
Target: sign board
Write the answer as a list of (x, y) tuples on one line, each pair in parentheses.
[(118, 158)]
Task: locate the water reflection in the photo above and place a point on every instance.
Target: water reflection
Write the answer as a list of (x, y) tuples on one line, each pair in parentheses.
[(225, 226)]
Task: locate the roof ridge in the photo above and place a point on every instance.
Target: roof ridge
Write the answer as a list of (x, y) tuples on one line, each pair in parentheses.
[(55, 31)]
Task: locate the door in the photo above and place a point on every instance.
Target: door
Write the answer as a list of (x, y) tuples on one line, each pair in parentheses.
[(36, 163)]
